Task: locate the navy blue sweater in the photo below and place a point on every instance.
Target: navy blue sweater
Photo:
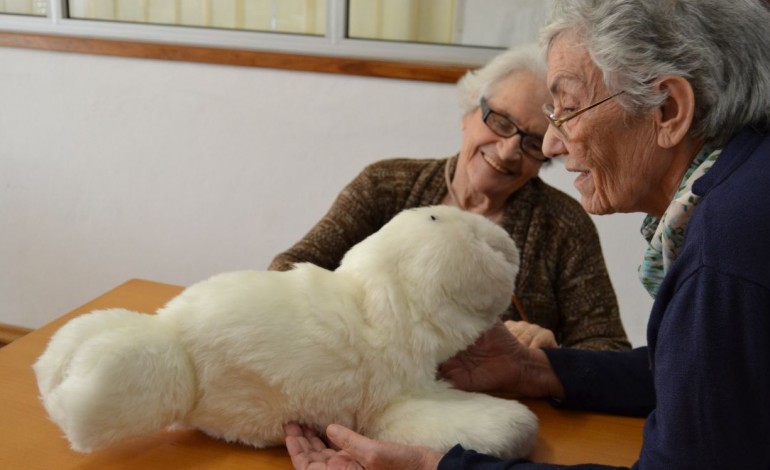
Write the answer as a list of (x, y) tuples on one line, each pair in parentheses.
[(704, 379)]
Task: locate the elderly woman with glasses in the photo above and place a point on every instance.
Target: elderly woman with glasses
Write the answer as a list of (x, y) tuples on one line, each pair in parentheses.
[(661, 107), (563, 290)]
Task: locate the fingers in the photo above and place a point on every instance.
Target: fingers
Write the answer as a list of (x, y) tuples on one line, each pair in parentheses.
[(292, 429), (363, 452), (372, 454), (344, 438), (517, 327), (531, 335), (456, 370), (521, 335), (302, 439), (522, 330), (308, 452), (544, 339)]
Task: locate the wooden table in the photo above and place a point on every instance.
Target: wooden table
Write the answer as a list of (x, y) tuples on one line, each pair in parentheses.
[(28, 440)]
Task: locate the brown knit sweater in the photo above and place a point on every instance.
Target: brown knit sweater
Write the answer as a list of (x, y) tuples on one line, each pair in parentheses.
[(563, 283)]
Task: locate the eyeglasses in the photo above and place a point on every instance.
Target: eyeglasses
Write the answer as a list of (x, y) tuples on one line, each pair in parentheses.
[(558, 121), (530, 144)]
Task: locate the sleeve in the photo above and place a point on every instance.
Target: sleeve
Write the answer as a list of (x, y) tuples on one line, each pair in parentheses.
[(711, 362), (356, 213), (618, 382), (460, 459)]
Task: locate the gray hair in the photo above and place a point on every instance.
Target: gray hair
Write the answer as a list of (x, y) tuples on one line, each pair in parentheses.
[(484, 81), (721, 47)]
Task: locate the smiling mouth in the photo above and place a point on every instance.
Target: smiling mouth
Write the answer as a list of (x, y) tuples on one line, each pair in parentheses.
[(577, 170), (494, 164), (582, 175)]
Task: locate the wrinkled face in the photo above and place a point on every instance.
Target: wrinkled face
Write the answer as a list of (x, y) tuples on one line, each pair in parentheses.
[(614, 155), (496, 166)]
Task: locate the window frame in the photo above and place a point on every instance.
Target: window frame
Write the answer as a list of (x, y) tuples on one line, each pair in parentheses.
[(332, 53)]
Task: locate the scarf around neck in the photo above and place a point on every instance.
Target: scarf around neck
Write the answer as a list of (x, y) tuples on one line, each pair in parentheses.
[(666, 236)]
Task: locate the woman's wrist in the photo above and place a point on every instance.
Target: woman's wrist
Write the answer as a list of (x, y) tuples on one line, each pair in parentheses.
[(538, 379)]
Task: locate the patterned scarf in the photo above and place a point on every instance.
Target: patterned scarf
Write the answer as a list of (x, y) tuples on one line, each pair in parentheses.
[(665, 236)]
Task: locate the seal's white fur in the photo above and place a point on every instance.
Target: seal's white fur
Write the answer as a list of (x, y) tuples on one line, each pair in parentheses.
[(242, 353)]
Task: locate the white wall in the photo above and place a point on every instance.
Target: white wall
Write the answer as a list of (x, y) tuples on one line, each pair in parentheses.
[(112, 169)]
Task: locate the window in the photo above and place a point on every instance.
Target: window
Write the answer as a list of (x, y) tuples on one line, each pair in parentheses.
[(24, 7), (480, 23), (284, 16), (439, 35), (406, 21)]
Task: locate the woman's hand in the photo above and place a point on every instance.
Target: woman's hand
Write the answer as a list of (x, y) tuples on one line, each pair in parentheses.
[(531, 335), (356, 452), (498, 362)]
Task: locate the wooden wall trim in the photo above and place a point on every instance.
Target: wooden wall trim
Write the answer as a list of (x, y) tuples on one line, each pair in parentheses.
[(237, 57), (10, 333)]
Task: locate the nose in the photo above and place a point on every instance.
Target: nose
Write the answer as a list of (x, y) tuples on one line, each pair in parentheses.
[(553, 145), (509, 147)]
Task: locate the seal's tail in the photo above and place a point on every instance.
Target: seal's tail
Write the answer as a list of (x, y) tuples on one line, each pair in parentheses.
[(114, 374)]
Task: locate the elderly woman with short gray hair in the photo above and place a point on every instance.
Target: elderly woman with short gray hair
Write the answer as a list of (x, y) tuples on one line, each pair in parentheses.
[(661, 107)]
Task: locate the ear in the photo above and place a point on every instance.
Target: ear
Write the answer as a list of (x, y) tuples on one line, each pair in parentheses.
[(675, 115)]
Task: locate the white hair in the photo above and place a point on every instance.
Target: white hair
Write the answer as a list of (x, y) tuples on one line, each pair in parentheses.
[(483, 82), (721, 47)]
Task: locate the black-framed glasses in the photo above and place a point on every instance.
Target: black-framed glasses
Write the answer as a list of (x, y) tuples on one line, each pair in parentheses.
[(530, 144), (558, 121)]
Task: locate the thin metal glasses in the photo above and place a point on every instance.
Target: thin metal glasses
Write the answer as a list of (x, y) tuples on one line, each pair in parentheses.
[(558, 121), (530, 144)]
